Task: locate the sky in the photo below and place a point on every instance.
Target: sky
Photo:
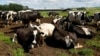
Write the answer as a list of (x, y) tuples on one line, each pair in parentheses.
[(54, 4)]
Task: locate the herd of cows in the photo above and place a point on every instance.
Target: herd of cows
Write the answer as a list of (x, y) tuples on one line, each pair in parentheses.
[(63, 28)]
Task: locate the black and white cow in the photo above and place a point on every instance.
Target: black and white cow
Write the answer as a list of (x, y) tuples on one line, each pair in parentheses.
[(97, 16), (96, 20), (0, 14), (81, 31), (53, 31), (77, 17), (27, 37), (29, 16), (98, 25), (8, 17)]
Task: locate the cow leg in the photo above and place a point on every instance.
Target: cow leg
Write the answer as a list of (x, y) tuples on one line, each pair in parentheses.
[(16, 22), (8, 23), (19, 21), (67, 41), (32, 46), (14, 38), (41, 41)]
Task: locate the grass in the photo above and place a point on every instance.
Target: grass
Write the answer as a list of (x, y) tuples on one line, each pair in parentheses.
[(60, 53), (97, 37), (4, 38), (82, 52), (44, 13), (73, 51), (63, 54), (91, 11), (61, 13), (93, 43), (16, 51), (86, 52)]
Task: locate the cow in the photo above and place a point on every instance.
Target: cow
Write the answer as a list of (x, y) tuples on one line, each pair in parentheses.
[(3, 17), (27, 37), (52, 13), (53, 31), (61, 21), (97, 16), (8, 17), (29, 16), (77, 17), (0, 14), (68, 37), (98, 25), (81, 31)]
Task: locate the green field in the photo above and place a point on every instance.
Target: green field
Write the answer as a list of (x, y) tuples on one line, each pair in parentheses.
[(65, 13)]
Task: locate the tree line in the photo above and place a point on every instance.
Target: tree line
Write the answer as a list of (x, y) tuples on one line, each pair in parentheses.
[(12, 6)]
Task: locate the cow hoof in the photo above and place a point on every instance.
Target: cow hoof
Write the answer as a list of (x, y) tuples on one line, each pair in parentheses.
[(32, 46), (79, 46)]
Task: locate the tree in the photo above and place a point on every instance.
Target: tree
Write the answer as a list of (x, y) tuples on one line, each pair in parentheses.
[(13, 6)]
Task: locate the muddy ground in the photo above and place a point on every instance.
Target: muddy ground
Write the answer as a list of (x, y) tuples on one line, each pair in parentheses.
[(46, 50)]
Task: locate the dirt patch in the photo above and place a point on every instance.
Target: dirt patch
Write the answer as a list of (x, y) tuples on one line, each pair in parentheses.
[(5, 50)]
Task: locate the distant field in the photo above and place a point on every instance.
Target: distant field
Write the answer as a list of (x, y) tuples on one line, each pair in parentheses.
[(45, 13), (65, 13), (93, 10)]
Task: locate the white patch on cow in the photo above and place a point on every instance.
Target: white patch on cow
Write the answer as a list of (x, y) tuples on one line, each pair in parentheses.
[(35, 33), (34, 41), (86, 30), (11, 18), (55, 20), (7, 16), (79, 13), (38, 20), (31, 25), (67, 40), (98, 22), (47, 28)]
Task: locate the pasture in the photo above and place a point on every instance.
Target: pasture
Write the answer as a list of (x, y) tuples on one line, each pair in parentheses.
[(8, 48)]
